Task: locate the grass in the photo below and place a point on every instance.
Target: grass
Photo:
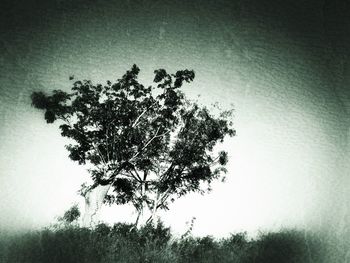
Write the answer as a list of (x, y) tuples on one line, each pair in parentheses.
[(123, 243)]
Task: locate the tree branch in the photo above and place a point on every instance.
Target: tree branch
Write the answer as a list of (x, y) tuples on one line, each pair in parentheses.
[(137, 174), (100, 154), (146, 145), (130, 175), (138, 118), (163, 198), (142, 113)]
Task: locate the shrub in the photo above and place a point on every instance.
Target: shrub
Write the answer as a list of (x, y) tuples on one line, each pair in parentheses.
[(124, 243)]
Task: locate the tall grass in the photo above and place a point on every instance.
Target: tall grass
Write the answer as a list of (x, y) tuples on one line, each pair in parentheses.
[(123, 243)]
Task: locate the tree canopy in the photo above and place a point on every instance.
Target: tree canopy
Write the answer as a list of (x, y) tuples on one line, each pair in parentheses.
[(150, 144)]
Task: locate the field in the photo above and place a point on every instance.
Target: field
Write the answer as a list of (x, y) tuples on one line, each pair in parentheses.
[(123, 243)]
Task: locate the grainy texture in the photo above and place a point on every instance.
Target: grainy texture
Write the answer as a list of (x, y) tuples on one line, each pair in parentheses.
[(284, 64)]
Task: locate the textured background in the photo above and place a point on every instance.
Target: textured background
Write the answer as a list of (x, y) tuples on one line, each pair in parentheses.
[(284, 65)]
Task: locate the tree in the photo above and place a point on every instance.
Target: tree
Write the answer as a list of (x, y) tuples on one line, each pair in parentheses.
[(147, 144)]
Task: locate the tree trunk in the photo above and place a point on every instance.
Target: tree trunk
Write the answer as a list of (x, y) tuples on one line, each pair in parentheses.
[(93, 202), (154, 217), (146, 215)]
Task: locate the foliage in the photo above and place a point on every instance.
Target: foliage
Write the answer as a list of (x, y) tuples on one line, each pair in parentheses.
[(71, 215), (149, 144), (125, 243)]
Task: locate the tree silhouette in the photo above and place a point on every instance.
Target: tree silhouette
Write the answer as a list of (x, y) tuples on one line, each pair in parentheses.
[(149, 144)]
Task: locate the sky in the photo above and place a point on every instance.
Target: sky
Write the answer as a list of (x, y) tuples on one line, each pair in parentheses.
[(283, 65)]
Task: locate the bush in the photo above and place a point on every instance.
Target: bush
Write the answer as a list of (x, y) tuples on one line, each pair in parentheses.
[(289, 246), (124, 243), (71, 215)]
